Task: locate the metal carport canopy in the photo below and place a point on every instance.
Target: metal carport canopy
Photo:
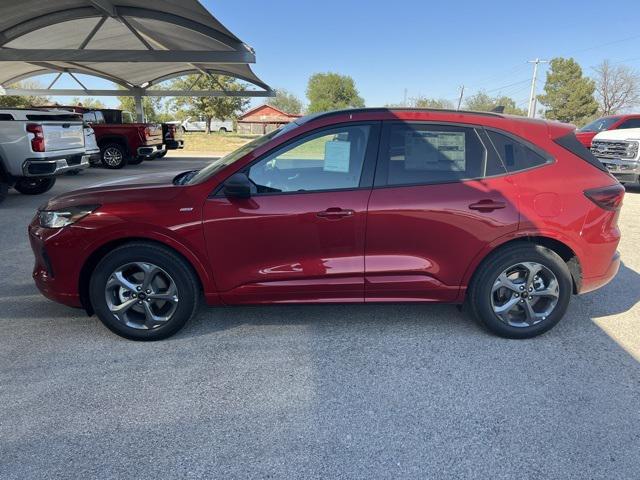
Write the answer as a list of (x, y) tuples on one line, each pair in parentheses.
[(133, 43)]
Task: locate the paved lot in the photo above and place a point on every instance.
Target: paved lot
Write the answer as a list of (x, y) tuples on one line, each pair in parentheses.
[(388, 391)]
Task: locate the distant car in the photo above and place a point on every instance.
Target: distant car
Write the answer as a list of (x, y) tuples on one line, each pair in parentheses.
[(619, 151), (36, 146), (356, 206), (192, 124), (615, 122)]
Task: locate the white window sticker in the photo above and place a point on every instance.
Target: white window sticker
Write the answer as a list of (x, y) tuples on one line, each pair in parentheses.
[(336, 156), (424, 150)]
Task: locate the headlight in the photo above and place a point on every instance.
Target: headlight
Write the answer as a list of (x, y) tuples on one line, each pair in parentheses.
[(65, 216), (632, 149)]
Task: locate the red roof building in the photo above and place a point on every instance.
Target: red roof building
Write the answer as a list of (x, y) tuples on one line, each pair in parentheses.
[(263, 119)]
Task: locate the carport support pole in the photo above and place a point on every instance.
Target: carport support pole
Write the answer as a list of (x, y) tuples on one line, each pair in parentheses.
[(137, 97)]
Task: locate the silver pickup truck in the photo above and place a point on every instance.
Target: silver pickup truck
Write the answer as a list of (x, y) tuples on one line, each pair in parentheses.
[(37, 145)]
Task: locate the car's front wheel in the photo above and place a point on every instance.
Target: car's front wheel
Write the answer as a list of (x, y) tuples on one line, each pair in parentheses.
[(34, 185), (521, 291), (144, 291)]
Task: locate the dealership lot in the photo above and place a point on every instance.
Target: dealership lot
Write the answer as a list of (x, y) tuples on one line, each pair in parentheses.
[(392, 391)]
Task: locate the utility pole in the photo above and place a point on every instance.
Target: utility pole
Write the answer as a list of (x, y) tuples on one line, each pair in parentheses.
[(531, 113), (404, 101), (460, 98)]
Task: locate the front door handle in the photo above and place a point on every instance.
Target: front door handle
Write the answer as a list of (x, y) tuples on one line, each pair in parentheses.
[(487, 205), (335, 213)]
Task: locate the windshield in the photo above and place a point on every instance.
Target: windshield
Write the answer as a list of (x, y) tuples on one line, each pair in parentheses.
[(215, 166), (599, 125)]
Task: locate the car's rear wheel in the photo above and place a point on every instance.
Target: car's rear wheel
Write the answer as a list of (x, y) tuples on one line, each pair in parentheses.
[(34, 185), (143, 291), (4, 190), (114, 156), (136, 160), (521, 291), (161, 154)]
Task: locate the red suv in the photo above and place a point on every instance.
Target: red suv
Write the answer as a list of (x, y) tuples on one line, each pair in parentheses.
[(585, 134), (509, 214)]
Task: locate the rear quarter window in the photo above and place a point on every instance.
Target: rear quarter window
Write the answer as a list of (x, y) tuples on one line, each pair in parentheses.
[(515, 155)]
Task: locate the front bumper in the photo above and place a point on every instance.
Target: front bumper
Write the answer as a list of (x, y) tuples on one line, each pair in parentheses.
[(56, 281), (49, 166), (174, 144), (149, 152), (626, 171)]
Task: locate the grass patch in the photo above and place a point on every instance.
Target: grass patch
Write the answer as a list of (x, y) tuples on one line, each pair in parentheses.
[(215, 142)]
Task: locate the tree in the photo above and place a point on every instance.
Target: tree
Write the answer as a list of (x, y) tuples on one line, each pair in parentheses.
[(88, 102), (331, 91), (424, 102), (222, 108), (150, 105), (568, 95), (19, 101), (286, 101), (617, 88), (483, 102)]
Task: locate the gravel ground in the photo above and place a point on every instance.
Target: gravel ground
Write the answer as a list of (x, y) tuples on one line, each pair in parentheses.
[(390, 391)]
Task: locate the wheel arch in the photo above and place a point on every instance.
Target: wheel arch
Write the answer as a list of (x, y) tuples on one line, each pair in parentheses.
[(563, 250), (94, 258)]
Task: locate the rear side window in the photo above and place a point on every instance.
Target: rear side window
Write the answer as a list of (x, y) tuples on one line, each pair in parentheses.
[(419, 154), (571, 143), (516, 155)]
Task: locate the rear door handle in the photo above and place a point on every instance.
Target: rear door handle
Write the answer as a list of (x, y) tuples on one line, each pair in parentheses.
[(487, 205), (335, 213)]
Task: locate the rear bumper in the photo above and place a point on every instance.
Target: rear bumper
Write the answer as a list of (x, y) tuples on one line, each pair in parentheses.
[(174, 144), (150, 151), (590, 284), (48, 166)]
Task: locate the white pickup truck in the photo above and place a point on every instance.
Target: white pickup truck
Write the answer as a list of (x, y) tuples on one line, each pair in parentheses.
[(37, 145), (199, 124), (619, 151)]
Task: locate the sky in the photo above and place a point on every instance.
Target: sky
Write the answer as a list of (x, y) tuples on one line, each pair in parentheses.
[(429, 48)]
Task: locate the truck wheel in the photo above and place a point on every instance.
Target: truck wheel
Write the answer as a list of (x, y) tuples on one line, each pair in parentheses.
[(136, 160), (223, 130), (4, 190), (161, 154), (35, 185), (114, 156)]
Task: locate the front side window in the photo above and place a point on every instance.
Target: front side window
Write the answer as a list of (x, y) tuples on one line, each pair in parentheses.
[(516, 155), (327, 160), (428, 154)]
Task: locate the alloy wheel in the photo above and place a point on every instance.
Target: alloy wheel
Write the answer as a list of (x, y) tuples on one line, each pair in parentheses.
[(112, 156), (525, 294), (141, 295)]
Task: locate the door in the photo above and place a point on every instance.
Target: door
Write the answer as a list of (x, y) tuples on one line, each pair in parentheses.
[(300, 237), (440, 196)]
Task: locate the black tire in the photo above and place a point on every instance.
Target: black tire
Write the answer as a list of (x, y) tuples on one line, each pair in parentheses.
[(161, 154), (186, 282), (223, 130), (480, 295), (114, 156), (136, 160), (34, 185), (4, 190)]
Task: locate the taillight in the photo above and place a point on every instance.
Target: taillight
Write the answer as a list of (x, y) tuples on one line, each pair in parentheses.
[(608, 198), (37, 142)]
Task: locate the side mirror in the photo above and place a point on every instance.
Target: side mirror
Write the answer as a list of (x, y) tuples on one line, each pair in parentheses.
[(238, 185)]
